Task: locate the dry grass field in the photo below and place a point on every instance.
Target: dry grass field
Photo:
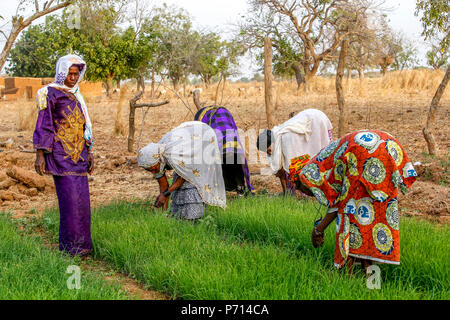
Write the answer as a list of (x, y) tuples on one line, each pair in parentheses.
[(397, 103)]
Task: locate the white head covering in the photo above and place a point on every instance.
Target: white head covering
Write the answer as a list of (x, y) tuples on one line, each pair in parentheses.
[(62, 70), (299, 126), (306, 133), (192, 151), (150, 155)]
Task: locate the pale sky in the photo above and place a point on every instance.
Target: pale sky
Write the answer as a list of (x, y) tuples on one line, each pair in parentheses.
[(217, 15)]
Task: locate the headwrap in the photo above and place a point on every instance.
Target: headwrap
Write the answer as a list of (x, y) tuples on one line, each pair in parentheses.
[(62, 70), (297, 164), (150, 155), (192, 151), (265, 140), (298, 126)]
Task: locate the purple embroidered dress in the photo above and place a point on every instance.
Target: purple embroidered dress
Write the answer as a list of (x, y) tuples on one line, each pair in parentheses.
[(59, 132)]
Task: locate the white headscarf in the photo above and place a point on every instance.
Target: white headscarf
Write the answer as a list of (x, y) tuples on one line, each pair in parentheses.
[(192, 151), (298, 126), (305, 133), (62, 70)]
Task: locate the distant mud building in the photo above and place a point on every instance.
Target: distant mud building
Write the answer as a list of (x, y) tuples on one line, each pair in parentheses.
[(13, 88)]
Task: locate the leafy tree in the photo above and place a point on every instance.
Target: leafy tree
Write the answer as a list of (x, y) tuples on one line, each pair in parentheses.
[(228, 60), (406, 57), (435, 20), (436, 57), (108, 51), (36, 52), (101, 42), (205, 63), (176, 42), (19, 22), (315, 28)]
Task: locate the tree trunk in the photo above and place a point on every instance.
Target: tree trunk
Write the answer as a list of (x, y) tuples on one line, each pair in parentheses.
[(361, 74), (109, 85), (224, 77), (196, 97), (342, 129), (268, 81), (175, 82), (298, 74), (133, 106), (140, 83), (429, 138), (131, 128), (153, 84), (310, 72), (217, 91), (308, 77)]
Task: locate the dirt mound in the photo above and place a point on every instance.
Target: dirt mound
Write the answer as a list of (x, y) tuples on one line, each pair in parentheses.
[(436, 171), (427, 199)]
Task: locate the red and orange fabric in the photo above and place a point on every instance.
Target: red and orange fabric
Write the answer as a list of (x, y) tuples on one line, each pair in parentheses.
[(297, 164), (360, 175)]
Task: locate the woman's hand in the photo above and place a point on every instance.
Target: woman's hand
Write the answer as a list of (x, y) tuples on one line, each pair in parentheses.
[(317, 238), (161, 200), (39, 165), (318, 232), (90, 162)]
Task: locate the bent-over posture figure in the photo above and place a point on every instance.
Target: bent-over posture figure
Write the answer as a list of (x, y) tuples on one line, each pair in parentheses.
[(191, 151)]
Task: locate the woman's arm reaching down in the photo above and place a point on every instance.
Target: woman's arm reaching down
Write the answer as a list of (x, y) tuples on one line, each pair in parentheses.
[(163, 198)]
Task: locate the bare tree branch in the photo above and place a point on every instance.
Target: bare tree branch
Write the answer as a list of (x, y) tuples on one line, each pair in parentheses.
[(19, 24)]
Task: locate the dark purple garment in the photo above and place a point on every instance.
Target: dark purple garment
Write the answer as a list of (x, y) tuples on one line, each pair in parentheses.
[(74, 213), (290, 187), (221, 120), (59, 132)]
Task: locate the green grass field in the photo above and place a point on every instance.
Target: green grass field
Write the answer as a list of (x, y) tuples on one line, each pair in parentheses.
[(258, 248), (30, 271)]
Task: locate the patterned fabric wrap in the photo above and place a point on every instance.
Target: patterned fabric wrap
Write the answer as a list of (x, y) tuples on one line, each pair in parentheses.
[(297, 164), (186, 202), (59, 132), (360, 175), (221, 120)]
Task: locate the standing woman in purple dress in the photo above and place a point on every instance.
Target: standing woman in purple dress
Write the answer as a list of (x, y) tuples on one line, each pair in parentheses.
[(63, 143)]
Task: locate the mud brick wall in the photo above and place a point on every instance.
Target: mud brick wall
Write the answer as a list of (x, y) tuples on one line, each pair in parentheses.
[(18, 87), (91, 89), (2, 87), (46, 81)]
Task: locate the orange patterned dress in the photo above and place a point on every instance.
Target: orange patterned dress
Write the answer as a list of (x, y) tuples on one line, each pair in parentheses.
[(359, 175)]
